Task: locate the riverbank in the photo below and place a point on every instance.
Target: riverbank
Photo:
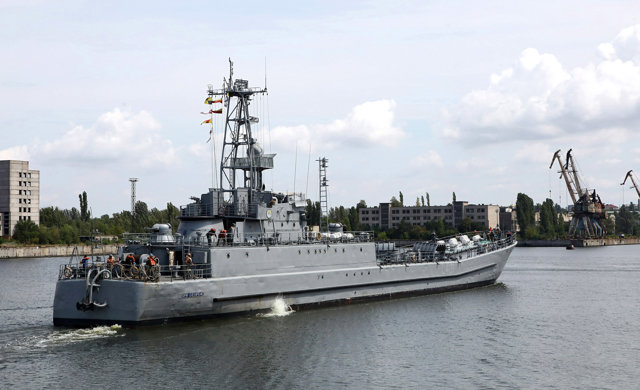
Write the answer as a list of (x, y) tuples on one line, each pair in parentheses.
[(7, 252), (579, 243)]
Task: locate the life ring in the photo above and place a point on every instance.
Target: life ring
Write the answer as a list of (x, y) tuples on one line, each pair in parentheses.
[(68, 272), (134, 271), (221, 210)]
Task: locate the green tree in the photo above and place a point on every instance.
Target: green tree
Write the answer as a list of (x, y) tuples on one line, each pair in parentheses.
[(68, 234), (313, 212), (84, 206), (422, 199), (454, 197), (465, 225), (401, 199), (395, 202), (428, 200), (141, 218), (172, 216), (26, 231), (418, 201), (548, 219), (625, 221), (525, 213)]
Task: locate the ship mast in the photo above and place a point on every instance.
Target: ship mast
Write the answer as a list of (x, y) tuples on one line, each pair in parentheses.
[(241, 155)]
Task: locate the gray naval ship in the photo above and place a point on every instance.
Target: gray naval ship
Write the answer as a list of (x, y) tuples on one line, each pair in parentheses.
[(240, 248)]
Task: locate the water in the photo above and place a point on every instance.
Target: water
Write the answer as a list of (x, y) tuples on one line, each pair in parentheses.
[(557, 319)]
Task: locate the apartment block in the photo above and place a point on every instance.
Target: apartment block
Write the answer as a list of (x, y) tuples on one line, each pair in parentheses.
[(387, 217), (19, 195)]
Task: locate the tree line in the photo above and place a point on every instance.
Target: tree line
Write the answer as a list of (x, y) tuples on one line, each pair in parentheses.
[(63, 226)]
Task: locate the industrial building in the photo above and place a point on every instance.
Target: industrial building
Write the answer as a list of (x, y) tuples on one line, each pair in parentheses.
[(19, 195), (385, 216)]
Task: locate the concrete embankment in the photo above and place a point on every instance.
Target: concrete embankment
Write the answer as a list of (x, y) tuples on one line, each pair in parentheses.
[(53, 251), (581, 243)]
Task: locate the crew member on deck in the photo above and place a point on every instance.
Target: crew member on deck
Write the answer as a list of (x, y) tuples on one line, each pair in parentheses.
[(210, 234), (85, 262), (130, 259), (222, 237)]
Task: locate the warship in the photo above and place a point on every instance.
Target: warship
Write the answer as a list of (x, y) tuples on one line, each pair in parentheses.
[(242, 248)]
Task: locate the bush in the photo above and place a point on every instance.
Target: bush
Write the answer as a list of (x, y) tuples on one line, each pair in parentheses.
[(26, 232)]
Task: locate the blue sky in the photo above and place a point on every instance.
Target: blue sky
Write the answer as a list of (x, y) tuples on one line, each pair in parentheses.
[(412, 96)]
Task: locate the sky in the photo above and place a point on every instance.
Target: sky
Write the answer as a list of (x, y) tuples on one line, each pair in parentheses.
[(415, 96)]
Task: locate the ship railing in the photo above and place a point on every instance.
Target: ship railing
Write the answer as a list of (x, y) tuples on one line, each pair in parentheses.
[(271, 239), (408, 255), (136, 238), (141, 273), (348, 236)]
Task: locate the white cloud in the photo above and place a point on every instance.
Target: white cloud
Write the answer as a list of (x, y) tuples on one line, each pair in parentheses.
[(15, 153), (429, 159), (368, 124), (116, 138), (536, 153), (539, 98)]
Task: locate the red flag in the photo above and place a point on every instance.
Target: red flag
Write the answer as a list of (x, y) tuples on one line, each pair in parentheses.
[(218, 111), (207, 121)]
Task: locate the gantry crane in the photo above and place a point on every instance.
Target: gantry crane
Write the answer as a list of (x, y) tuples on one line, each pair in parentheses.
[(588, 209), (633, 181)]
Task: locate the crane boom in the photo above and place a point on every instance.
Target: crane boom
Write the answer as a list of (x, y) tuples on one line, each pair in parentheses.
[(574, 171), (571, 186), (635, 185)]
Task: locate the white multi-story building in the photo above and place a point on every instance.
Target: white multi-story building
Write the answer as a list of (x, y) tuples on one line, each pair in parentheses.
[(386, 217), (19, 195)]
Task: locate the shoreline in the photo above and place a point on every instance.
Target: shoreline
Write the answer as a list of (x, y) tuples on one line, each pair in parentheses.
[(583, 243), (17, 252)]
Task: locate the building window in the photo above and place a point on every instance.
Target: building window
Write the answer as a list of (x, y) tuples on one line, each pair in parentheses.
[(29, 184), (20, 200), (29, 175), (28, 192)]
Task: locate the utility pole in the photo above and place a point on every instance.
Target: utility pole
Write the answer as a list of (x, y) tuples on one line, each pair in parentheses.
[(133, 181)]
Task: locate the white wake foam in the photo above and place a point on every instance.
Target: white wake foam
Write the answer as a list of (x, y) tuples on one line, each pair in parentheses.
[(279, 309), (78, 335)]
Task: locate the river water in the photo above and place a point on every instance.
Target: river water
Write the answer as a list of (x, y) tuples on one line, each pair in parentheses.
[(557, 319)]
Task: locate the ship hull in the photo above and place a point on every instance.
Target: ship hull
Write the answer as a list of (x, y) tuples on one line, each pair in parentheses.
[(300, 284)]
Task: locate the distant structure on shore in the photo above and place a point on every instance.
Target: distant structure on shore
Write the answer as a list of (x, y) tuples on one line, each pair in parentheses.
[(19, 195), (386, 216)]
